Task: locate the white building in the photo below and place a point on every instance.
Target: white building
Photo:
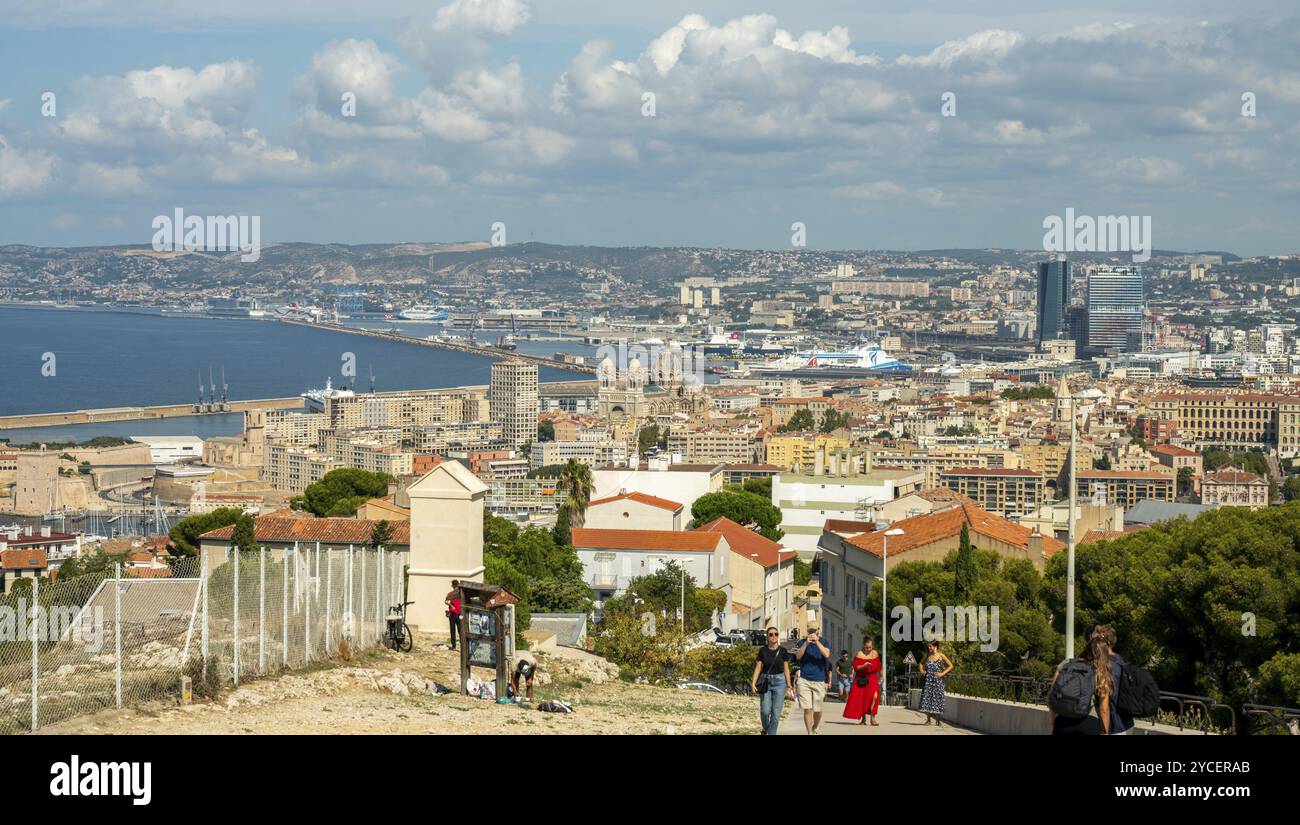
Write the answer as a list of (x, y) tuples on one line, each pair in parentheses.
[(171, 449), (611, 559), (659, 477), (807, 501)]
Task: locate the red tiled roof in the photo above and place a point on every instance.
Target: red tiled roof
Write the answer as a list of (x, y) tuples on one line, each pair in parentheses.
[(331, 530), (848, 526), (1170, 449), (1232, 477), (746, 542), (642, 498), (689, 541), (149, 572), (919, 531), (32, 559)]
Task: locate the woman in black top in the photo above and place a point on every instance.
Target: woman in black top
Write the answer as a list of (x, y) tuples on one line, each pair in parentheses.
[(771, 681)]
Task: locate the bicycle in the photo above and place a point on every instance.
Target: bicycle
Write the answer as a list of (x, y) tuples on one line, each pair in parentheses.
[(399, 636)]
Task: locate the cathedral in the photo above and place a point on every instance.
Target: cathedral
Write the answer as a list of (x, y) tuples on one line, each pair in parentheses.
[(641, 392)]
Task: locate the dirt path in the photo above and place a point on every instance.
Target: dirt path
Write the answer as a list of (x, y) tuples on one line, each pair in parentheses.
[(386, 692)]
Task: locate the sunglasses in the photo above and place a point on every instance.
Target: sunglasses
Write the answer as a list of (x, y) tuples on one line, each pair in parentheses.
[(774, 634)]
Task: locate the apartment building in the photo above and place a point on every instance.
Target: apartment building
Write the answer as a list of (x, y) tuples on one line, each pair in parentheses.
[(1001, 491), (1124, 487), (1235, 420), (806, 455), (591, 453), (711, 445), (292, 469)]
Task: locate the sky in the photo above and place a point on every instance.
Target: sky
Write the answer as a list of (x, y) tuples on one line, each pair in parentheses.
[(874, 124)]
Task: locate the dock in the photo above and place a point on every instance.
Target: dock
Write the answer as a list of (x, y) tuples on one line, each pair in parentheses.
[(454, 346)]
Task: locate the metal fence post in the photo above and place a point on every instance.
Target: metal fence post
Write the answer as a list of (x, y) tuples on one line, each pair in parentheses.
[(261, 612), (235, 658), (329, 601), (379, 592), (36, 612), (306, 613), (284, 608), (203, 560), (364, 619), (117, 632)]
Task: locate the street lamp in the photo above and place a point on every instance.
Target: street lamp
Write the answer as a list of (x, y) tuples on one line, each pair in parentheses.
[(884, 609), (1069, 558)]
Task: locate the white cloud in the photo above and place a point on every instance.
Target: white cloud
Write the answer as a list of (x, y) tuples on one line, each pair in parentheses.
[(483, 17), (23, 172)]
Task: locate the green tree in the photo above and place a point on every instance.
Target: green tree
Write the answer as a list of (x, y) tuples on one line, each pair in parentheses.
[(802, 572), (575, 481), (746, 509), (546, 431), (758, 486), (832, 420), (243, 538), (1185, 475), (340, 492), (801, 421), (184, 536), (381, 534), (964, 567), (561, 532), (1291, 488), (646, 438)]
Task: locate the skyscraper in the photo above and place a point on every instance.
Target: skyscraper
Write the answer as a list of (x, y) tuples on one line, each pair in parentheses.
[(1053, 298), (1115, 302), (512, 401)]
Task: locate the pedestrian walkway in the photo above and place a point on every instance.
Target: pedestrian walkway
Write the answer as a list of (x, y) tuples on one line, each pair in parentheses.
[(894, 721)]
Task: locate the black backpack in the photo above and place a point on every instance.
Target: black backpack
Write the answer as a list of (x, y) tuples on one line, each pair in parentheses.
[(1071, 693), (1138, 694)]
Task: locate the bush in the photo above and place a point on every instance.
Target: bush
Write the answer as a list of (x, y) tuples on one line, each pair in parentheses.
[(729, 667)]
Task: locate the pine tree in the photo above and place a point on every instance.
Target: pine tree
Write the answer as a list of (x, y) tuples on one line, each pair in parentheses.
[(964, 566)]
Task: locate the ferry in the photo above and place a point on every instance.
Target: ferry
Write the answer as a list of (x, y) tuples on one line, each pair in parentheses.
[(868, 357), (422, 312), (314, 400)]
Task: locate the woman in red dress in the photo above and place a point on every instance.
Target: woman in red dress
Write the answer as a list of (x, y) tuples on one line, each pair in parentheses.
[(864, 695)]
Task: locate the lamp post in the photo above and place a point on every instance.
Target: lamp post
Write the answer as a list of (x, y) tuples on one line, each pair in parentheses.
[(1069, 557), (884, 609)]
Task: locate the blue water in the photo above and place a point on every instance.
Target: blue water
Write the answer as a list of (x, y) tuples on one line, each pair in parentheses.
[(121, 358)]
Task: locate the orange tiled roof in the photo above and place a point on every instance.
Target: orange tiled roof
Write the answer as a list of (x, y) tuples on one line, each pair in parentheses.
[(642, 498), (919, 531), (689, 541), (1232, 477), (331, 530), (746, 542), (1134, 474), (32, 559), (1170, 449)]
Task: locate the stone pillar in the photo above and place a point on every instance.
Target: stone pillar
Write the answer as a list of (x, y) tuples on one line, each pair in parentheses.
[(446, 540)]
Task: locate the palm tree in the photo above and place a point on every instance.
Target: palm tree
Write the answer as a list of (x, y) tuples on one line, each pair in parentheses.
[(575, 480)]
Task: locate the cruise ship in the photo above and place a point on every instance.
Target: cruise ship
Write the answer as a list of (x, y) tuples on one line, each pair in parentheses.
[(422, 312), (868, 358), (314, 400)]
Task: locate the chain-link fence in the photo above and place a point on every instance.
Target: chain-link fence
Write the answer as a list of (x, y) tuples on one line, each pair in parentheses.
[(127, 636)]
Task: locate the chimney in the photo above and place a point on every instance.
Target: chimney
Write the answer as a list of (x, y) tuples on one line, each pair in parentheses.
[(45, 532), (1036, 548)]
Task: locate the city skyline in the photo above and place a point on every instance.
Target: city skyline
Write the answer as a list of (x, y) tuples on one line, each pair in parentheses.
[(535, 116)]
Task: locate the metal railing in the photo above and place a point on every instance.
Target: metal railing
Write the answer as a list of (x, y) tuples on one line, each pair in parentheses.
[(1195, 712)]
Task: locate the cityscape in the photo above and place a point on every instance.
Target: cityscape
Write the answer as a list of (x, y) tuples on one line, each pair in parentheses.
[(260, 474)]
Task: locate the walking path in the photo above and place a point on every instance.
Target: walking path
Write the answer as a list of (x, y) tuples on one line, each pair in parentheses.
[(893, 721)]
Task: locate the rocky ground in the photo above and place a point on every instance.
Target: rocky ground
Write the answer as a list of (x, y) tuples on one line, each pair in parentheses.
[(387, 692)]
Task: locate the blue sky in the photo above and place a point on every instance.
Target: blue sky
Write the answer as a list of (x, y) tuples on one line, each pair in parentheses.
[(531, 113)]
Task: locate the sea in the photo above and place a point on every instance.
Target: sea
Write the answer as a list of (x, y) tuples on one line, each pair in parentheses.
[(63, 359)]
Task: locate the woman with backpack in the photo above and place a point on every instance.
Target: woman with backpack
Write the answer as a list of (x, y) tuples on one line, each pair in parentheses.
[(1080, 686), (935, 666), (864, 693)]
